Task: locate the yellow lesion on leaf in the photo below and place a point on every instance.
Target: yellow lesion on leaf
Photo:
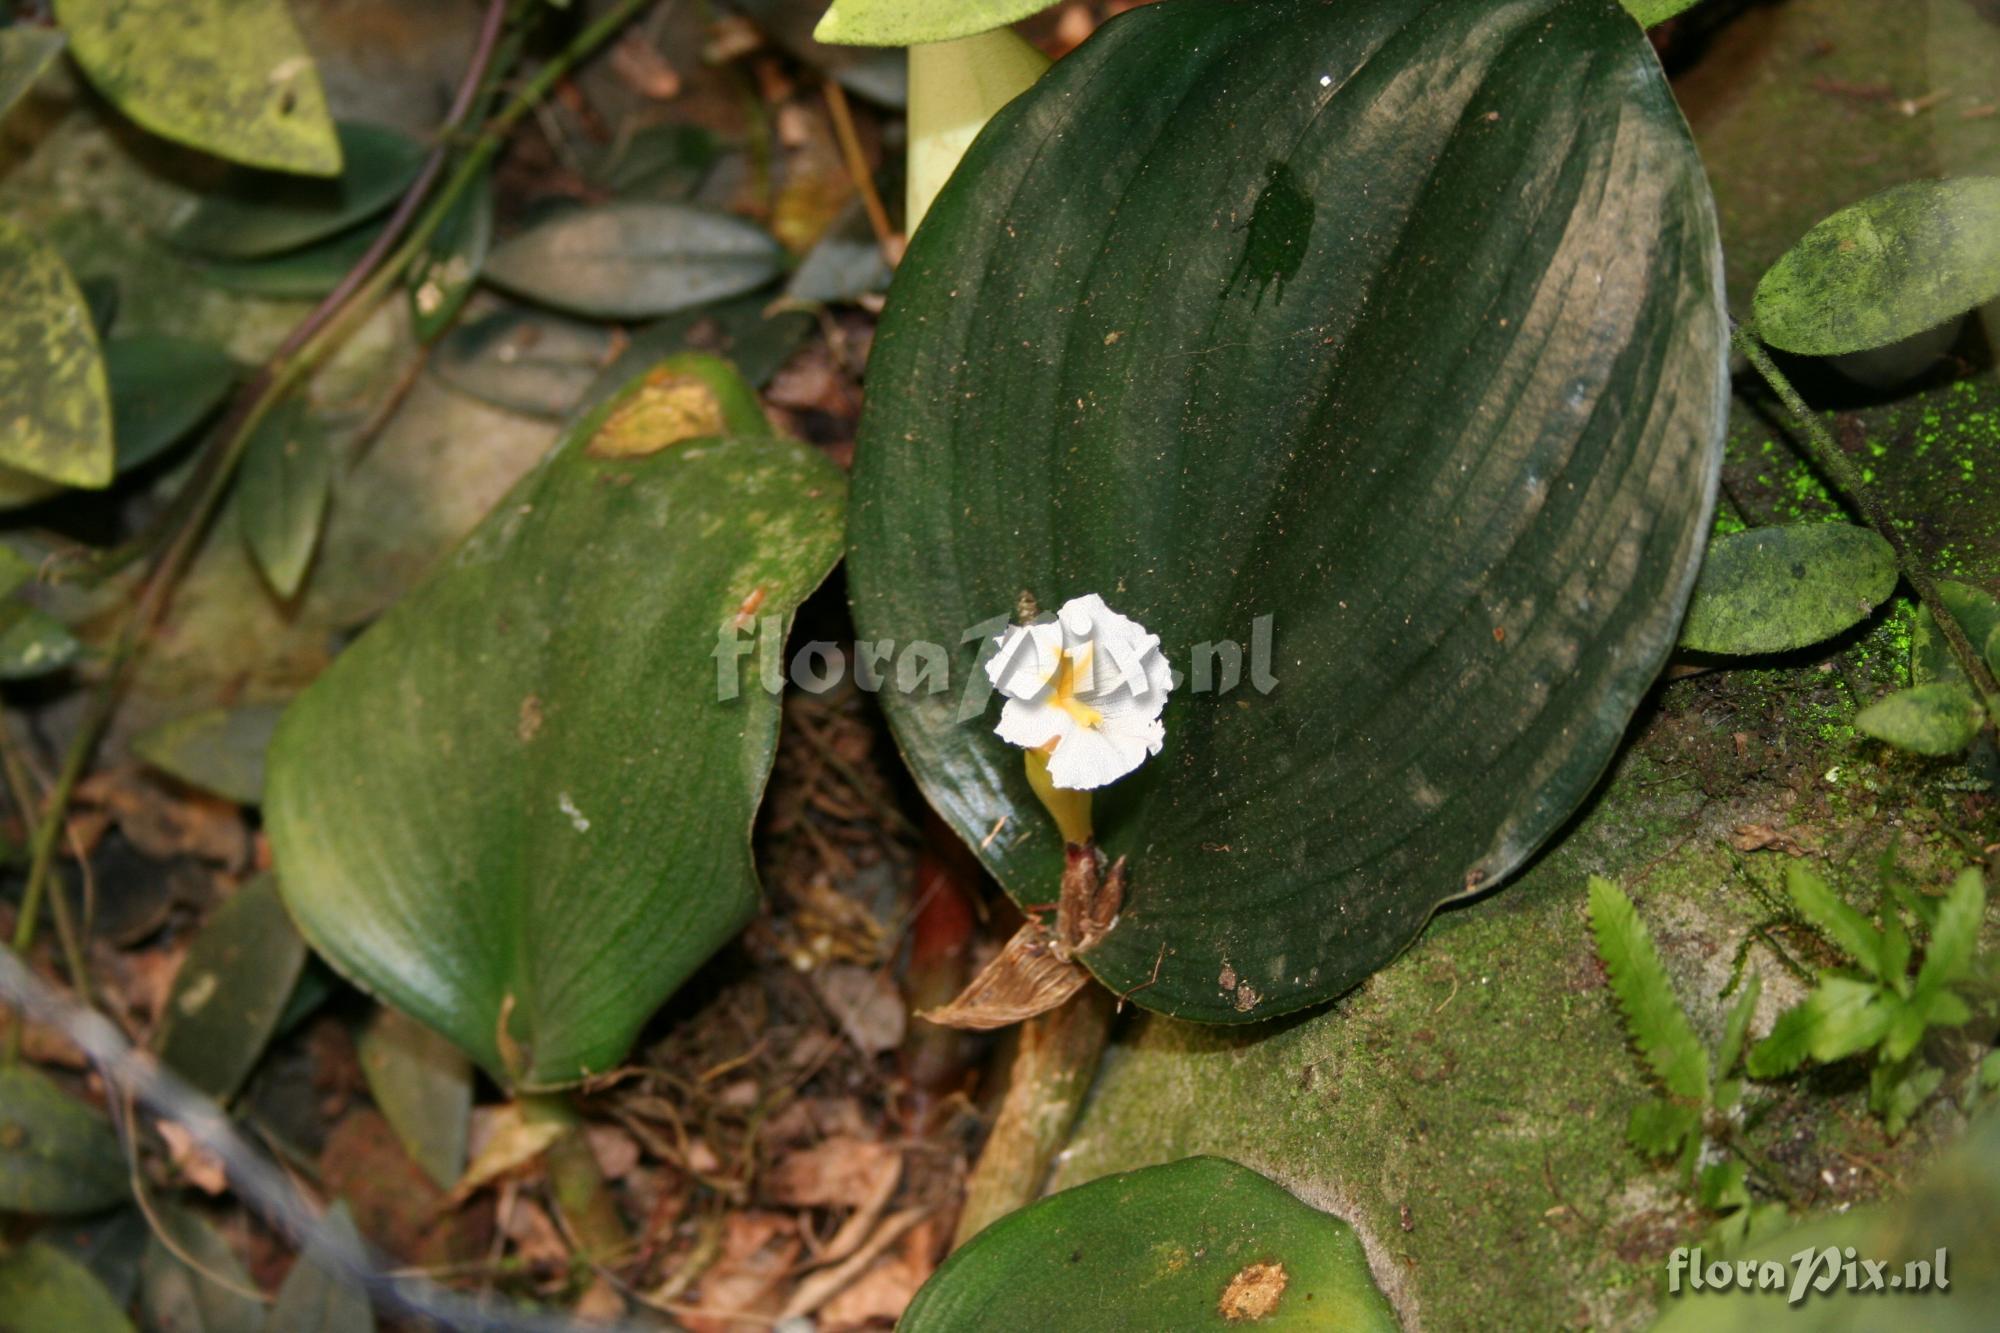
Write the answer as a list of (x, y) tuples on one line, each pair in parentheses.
[(667, 409)]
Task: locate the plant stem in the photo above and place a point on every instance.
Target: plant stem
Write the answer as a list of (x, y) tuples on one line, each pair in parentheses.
[(1825, 454), (1054, 1063)]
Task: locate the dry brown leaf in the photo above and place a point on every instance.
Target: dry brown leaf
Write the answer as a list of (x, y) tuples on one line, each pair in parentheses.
[(503, 1141), (883, 1292), (196, 1164), (616, 1151), (840, 1172), (1024, 979), (758, 1251), (1763, 837), (822, 1286), (866, 1004), (641, 67), (163, 824)]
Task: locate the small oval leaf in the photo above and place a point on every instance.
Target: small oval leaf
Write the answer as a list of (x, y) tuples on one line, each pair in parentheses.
[(296, 275), (24, 53), (43, 1288), (634, 260), (57, 1156), (1197, 1244), (525, 361), (1885, 269), (516, 808), (231, 990), (230, 77), (161, 388), (442, 282), (1936, 719), (317, 1297), (255, 214), (1770, 590), (282, 493), (1977, 613), (33, 643), (57, 424), (424, 1086), (218, 750)]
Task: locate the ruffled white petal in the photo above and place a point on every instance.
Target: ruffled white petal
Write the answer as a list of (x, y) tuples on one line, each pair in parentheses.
[(1092, 756), (1119, 671)]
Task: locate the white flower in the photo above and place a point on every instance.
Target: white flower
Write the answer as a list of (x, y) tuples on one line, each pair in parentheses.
[(1087, 688)]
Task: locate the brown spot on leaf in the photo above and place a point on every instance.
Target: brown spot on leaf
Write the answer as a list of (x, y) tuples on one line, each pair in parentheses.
[(667, 409), (1253, 1293), (531, 718)]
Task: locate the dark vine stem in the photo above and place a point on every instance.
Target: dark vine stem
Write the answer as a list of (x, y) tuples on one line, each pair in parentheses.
[(308, 345), (1825, 454)]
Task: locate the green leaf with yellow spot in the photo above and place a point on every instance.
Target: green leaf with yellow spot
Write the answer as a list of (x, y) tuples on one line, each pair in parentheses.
[(1770, 590), (230, 77), (1201, 1243), (55, 406), (518, 808)]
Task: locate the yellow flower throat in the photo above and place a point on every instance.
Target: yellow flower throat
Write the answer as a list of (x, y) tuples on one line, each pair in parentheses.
[(1070, 671)]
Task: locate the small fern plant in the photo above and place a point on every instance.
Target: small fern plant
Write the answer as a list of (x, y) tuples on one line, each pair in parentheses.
[(1693, 1119), (1882, 1005)]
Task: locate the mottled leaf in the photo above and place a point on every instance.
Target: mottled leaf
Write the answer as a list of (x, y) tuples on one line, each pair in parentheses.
[(1200, 1243), (1650, 12), (634, 260), (317, 1297), (282, 492), (230, 77), (516, 808), (58, 419), (57, 1156), (1936, 719), (231, 990), (1885, 269), (255, 214), (1770, 590), (424, 1086), (218, 750), (24, 53), (43, 1290), (1382, 341)]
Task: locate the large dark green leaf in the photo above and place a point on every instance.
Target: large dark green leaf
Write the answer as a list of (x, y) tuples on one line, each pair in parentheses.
[(231, 990), (1397, 323), (57, 421), (634, 260), (24, 53), (1770, 590), (43, 1289), (1886, 269), (231, 77), (57, 1156), (260, 213), (515, 807), (1196, 1244)]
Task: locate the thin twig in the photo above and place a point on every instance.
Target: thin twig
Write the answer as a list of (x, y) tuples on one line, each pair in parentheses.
[(858, 172), (1826, 455)]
